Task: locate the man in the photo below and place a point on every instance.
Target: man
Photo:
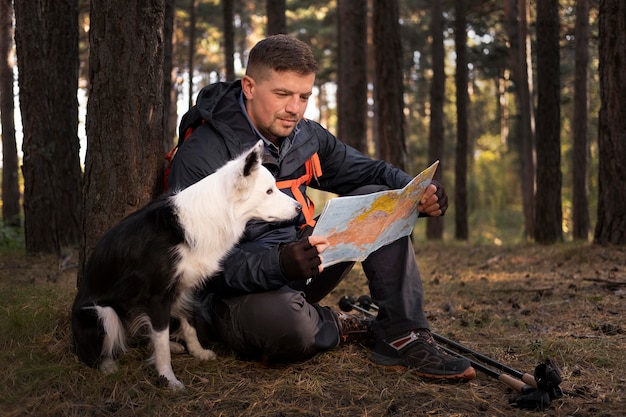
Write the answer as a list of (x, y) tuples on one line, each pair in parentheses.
[(264, 303)]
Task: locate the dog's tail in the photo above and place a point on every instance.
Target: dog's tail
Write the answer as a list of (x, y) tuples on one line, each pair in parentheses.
[(98, 333)]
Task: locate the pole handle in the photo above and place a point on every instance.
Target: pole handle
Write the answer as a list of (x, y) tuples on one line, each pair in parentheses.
[(529, 379), (516, 384)]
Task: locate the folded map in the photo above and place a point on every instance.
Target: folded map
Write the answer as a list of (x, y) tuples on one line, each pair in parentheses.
[(358, 225)]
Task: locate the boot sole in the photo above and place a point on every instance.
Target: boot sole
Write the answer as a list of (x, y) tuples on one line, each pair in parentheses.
[(392, 363)]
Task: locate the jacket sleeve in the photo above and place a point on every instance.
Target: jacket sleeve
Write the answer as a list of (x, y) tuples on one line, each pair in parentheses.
[(345, 169)]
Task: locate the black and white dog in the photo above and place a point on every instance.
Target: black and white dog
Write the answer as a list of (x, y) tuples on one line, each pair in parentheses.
[(144, 270)]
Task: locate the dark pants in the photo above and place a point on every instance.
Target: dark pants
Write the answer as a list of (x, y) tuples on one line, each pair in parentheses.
[(288, 324)]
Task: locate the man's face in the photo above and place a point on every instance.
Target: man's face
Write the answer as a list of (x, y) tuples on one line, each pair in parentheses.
[(276, 105)]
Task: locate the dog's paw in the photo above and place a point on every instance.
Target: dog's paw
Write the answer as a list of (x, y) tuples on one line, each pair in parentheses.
[(172, 384), (204, 354), (108, 366), (176, 347)]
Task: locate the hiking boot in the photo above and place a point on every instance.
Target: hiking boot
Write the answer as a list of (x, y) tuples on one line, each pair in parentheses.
[(356, 329), (418, 350)]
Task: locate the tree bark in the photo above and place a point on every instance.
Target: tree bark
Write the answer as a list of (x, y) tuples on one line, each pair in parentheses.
[(276, 20), (580, 151), (516, 12), (123, 165), (10, 183), (352, 73), (229, 39), (170, 116), (611, 225), (191, 53), (388, 87), (548, 210), (47, 45), (435, 225), (462, 101)]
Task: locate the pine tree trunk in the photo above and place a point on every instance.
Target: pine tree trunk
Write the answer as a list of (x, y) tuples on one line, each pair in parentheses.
[(191, 52), (435, 225), (229, 39), (388, 87), (123, 164), (516, 12), (548, 210), (170, 116), (47, 45), (527, 120), (611, 226), (10, 184), (352, 74), (462, 102), (580, 151), (276, 19)]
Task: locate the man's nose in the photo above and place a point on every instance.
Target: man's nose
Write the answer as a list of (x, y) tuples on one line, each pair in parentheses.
[(293, 105)]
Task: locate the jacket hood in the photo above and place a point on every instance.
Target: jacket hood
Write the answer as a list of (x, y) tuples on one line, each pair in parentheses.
[(211, 95)]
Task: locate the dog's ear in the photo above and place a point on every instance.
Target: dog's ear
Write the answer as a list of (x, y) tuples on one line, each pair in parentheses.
[(253, 158)]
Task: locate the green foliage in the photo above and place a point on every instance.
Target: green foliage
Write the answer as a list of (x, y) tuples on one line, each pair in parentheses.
[(11, 237)]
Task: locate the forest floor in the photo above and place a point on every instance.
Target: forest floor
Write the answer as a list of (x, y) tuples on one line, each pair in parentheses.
[(517, 304)]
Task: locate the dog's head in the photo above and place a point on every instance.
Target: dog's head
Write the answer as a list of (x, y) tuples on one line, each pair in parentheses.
[(257, 194)]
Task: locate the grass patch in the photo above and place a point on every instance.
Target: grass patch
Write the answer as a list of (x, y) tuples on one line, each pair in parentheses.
[(517, 304)]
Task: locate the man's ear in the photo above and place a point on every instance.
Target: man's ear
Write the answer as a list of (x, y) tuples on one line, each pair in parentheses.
[(247, 86)]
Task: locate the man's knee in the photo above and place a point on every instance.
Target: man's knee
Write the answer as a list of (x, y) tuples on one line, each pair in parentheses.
[(278, 324)]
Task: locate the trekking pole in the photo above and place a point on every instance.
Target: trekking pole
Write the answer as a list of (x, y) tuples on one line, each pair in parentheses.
[(347, 303), (365, 302), (517, 384), (525, 377), (537, 391)]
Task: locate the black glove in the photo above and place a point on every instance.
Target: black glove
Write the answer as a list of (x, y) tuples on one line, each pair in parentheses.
[(299, 260)]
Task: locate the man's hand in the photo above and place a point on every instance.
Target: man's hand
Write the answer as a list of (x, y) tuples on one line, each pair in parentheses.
[(300, 260), (435, 200)]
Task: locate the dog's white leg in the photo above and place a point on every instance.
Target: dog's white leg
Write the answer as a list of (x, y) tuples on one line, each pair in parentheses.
[(193, 345), (162, 358)]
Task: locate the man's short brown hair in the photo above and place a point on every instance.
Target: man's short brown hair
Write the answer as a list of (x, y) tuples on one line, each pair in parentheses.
[(280, 53)]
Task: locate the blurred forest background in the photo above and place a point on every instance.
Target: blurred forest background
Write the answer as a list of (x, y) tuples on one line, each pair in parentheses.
[(520, 100)]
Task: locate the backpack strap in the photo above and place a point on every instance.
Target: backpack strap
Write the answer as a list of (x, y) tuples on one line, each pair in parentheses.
[(170, 155), (313, 169)]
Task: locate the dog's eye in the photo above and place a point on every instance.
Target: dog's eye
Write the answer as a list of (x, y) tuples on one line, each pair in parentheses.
[(269, 191)]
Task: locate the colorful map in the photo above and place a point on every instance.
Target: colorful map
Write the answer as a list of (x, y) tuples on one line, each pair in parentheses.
[(358, 225)]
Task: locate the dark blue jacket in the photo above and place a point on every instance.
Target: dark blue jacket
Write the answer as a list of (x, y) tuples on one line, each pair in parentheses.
[(225, 133)]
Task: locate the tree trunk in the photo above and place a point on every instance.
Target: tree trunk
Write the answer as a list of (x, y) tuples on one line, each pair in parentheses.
[(47, 45), (521, 74), (462, 102), (229, 39), (434, 225), (191, 53), (123, 165), (611, 225), (580, 151), (276, 20), (170, 116), (548, 210), (10, 183), (388, 87), (352, 73)]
